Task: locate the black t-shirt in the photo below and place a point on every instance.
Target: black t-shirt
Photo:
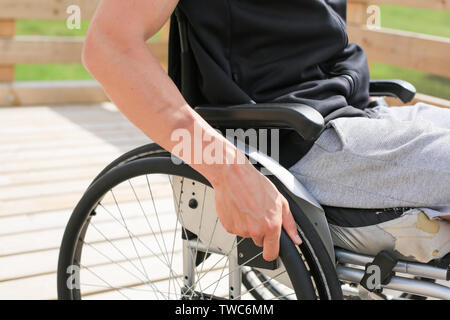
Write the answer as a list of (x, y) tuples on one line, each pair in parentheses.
[(296, 51)]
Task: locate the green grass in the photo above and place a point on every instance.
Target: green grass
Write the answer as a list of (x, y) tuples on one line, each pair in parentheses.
[(416, 20), (49, 28), (44, 72), (395, 17), (50, 72), (422, 21), (424, 83), (35, 72)]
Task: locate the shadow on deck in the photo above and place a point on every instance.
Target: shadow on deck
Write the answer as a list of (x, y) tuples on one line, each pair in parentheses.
[(48, 157)]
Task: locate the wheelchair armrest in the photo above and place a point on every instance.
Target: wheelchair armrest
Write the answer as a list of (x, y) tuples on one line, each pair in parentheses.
[(307, 121), (400, 89)]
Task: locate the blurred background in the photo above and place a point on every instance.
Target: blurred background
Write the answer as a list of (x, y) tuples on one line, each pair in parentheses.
[(426, 21), (57, 129)]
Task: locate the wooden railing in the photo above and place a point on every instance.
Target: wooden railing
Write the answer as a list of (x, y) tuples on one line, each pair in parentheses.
[(46, 50), (411, 50), (400, 48)]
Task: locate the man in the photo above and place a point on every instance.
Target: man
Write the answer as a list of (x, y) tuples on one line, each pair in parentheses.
[(285, 51)]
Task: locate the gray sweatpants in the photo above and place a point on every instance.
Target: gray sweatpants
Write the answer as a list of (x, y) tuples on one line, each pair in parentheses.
[(399, 157)]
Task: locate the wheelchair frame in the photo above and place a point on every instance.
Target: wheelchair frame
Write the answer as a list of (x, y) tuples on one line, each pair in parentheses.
[(310, 207), (345, 260), (348, 266), (309, 124)]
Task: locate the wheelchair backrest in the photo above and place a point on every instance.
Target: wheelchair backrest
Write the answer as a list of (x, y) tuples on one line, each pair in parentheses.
[(187, 67)]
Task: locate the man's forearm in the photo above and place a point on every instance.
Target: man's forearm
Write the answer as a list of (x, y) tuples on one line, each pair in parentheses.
[(141, 89)]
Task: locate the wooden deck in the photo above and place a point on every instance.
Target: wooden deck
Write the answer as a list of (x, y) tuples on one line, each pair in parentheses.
[(48, 156)]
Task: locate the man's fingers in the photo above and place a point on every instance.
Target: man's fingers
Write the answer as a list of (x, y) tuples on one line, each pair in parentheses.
[(290, 226), (271, 245), (256, 234), (259, 241)]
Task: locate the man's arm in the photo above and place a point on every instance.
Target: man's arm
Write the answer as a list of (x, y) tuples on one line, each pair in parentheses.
[(115, 53)]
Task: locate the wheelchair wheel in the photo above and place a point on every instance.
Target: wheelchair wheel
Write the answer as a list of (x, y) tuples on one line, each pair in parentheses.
[(263, 287), (313, 254), (128, 238)]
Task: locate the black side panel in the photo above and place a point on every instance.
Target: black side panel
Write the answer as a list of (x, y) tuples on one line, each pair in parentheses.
[(174, 52), (182, 68), (354, 218)]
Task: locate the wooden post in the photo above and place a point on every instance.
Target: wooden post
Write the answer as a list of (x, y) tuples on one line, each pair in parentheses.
[(357, 13), (7, 30), (165, 31), (357, 16), (165, 38)]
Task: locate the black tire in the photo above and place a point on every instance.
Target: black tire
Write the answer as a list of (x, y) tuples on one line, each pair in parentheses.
[(145, 151), (314, 254), (321, 265), (253, 278), (323, 270), (124, 169)]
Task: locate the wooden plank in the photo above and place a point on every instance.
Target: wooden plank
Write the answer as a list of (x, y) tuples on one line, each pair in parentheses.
[(36, 288), (45, 9), (25, 265), (45, 49), (107, 135), (78, 113), (46, 240), (53, 50), (93, 128), (56, 9), (78, 162), (356, 13), (426, 4), (6, 73), (53, 220), (404, 49), (63, 152), (7, 30), (165, 31), (54, 202), (54, 145), (35, 191), (53, 92), (44, 287), (41, 49), (443, 103)]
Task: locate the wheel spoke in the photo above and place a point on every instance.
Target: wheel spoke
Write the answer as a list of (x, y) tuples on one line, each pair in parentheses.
[(261, 284), (103, 280), (125, 253), (122, 267), (149, 249)]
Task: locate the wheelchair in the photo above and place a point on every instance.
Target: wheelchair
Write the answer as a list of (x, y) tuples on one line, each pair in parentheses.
[(146, 227)]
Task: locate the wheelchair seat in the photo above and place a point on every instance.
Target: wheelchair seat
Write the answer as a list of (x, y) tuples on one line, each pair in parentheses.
[(151, 201), (406, 232)]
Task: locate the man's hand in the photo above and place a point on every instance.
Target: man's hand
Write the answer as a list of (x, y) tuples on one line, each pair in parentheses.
[(117, 56), (249, 205)]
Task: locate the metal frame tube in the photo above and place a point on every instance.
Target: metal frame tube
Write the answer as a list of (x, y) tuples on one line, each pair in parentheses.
[(235, 277), (412, 286), (197, 245), (412, 268), (188, 268)]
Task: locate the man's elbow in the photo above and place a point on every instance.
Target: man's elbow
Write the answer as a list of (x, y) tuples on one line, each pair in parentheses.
[(91, 54), (102, 46)]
